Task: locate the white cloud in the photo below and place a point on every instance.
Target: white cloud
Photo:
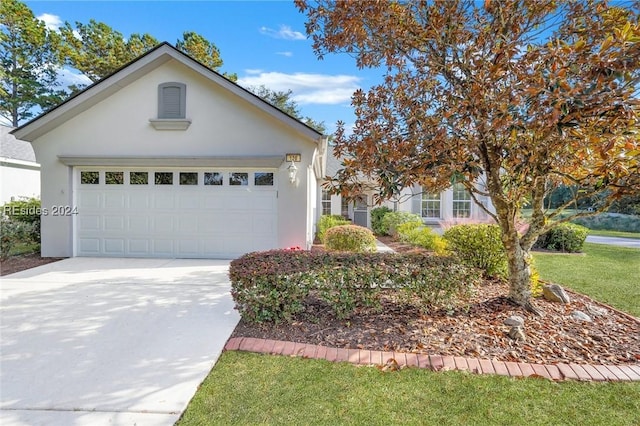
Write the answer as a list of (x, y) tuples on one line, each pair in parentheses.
[(67, 77), (52, 22), (307, 88), (285, 32), (287, 54)]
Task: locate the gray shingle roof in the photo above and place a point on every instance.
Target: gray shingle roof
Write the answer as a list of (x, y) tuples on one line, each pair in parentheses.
[(10, 147)]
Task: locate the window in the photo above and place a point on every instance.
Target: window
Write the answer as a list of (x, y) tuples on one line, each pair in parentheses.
[(90, 178), (238, 179), (164, 178), (172, 100), (344, 207), (213, 178), (263, 179), (430, 207), (188, 178), (326, 202), (461, 201), (139, 178), (114, 178)]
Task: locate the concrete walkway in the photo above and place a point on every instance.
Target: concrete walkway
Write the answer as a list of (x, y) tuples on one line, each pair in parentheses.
[(438, 362), (110, 341), (614, 241)]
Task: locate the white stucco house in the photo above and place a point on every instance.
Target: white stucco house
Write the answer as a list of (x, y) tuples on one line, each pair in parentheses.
[(167, 158), (19, 171), (437, 209)]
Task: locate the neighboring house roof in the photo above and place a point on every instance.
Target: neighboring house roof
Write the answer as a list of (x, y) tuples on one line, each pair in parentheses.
[(13, 148), (132, 71), (333, 163)]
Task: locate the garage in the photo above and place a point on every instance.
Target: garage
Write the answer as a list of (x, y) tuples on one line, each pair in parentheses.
[(174, 212)]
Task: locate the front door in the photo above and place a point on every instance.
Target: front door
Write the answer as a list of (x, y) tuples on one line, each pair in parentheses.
[(361, 211)]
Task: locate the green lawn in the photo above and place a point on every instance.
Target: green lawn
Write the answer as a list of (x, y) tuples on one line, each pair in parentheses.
[(621, 234), (246, 388), (249, 389), (606, 273)]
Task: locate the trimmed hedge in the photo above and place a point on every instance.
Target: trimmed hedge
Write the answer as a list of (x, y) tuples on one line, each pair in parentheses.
[(377, 215), (417, 234), (350, 238), (25, 212), (273, 285), (479, 246), (329, 221), (391, 221), (566, 237)]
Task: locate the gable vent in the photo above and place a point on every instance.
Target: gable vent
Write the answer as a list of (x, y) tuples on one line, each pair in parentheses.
[(172, 100)]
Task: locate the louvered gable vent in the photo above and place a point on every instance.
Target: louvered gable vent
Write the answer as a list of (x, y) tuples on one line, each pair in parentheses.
[(172, 100)]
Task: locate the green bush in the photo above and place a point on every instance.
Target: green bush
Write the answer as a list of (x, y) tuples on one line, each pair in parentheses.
[(26, 211), (12, 232), (391, 221), (565, 237), (479, 246), (377, 215), (417, 234), (352, 238), (327, 222), (274, 285), (610, 222)]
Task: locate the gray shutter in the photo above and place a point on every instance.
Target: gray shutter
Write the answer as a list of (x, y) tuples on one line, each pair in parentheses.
[(171, 102), (416, 200)]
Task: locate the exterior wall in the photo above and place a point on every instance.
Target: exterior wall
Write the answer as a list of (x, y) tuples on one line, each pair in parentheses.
[(18, 179), (222, 125)]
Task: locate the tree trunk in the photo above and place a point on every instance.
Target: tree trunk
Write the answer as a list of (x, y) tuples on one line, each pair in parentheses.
[(519, 263)]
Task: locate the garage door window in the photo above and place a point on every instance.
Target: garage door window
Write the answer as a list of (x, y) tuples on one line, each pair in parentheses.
[(164, 178), (139, 178), (238, 179), (114, 178), (188, 178), (263, 179), (90, 178), (213, 178)]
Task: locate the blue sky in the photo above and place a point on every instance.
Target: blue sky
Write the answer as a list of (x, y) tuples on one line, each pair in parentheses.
[(263, 42)]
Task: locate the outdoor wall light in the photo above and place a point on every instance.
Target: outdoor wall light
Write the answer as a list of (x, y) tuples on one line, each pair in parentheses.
[(292, 169)]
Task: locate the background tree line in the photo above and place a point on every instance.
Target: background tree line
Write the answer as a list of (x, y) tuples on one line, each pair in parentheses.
[(32, 55)]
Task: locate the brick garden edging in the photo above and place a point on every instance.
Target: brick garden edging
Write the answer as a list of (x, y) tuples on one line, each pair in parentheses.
[(582, 372)]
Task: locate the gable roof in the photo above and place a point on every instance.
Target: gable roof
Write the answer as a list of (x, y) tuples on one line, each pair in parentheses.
[(13, 148), (134, 70)]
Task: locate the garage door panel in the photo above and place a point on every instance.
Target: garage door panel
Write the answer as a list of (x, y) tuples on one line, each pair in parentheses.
[(114, 246), (189, 221)]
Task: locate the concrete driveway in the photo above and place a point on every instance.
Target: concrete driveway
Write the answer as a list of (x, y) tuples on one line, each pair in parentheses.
[(89, 341)]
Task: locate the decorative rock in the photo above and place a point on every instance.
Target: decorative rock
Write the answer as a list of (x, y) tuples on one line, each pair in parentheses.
[(581, 316), (555, 293), (517, 333), (597, 311), (514, 321)]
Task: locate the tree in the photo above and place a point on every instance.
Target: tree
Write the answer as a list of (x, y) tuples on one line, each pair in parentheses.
[(28, 63), (97, 50), (519, 96), (282, 100)]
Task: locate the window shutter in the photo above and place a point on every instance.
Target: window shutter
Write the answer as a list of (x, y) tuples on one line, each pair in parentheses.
[(172, 100), (416, 200)]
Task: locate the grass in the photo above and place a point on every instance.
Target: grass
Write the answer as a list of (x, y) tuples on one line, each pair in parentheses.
[(606, 273), (621, 234), (24, 248), (247, 388)]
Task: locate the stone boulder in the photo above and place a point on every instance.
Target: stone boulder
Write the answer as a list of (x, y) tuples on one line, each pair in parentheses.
[(514, 321), (581, 316), (555, 293)]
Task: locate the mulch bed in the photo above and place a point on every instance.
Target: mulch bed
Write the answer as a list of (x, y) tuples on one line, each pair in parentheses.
[(475, 329), (27, 261)]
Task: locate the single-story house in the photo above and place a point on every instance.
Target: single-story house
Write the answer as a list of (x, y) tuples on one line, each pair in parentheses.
[(167, 158), (437, 209), (19, 171)]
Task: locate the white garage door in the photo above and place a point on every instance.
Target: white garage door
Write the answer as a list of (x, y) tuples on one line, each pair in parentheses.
[(186, 213)]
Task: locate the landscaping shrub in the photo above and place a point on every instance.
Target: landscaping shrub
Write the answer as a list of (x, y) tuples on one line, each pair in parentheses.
[(350, 238), (377, 215), (391, 221), (26, 211), (273, 285), (12, 232), (566, 237), (610, 222), (417, 234), (480, 246), (327, 222)]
